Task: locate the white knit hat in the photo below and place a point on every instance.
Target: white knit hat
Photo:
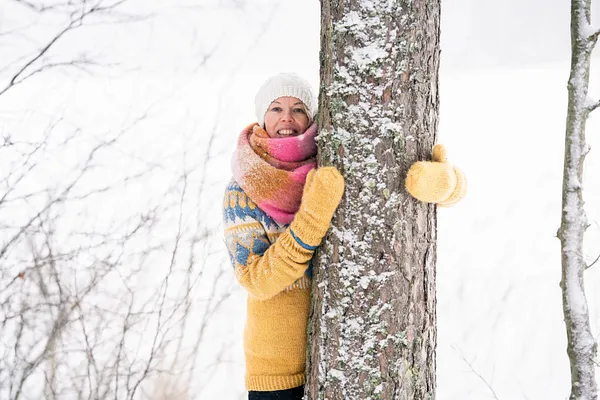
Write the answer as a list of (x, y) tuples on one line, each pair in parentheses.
[(284, 84)]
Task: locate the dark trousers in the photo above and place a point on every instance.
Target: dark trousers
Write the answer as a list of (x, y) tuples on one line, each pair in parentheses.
[(288, 394)]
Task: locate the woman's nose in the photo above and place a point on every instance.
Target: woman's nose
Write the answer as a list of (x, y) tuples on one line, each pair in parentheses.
[(287, 116)]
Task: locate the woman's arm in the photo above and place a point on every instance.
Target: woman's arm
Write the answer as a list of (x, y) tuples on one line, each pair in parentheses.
[(266, 270), (262, 268)]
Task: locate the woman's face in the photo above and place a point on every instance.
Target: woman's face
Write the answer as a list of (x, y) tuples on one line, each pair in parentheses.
[(285, 117)]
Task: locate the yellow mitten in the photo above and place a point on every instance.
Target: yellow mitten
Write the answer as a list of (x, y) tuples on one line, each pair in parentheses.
[(322, 194), (436, 181)]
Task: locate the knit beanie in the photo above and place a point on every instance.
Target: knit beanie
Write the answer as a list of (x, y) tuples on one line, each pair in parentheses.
[(284, 84)]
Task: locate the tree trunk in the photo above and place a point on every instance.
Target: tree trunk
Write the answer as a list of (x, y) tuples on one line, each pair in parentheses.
[(581, 346), (373, 326)]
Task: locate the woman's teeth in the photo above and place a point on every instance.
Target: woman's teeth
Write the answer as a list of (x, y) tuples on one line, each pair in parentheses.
[(286, 132)]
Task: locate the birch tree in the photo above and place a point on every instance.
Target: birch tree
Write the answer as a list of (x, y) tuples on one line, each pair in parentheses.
[(373, 328), (582, 346)]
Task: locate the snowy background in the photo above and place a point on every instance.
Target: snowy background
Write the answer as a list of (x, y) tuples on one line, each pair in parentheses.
[(191, 68)]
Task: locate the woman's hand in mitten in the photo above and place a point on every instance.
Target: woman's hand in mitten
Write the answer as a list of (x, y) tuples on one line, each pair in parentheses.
[(436, 181), (322, 194)]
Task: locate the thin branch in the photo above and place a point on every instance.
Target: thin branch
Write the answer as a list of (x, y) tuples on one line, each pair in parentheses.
[(165, 284), (43, 51), (593, 106), (57, 328), (594, 36), (120, 354), (75, 23), (66, 191), (59, 198), (106, 8), (40, 8), (595, 261), (476, 373)]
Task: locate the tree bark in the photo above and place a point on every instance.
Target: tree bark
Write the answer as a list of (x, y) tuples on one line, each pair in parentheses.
[(373, 326), (581, 346)]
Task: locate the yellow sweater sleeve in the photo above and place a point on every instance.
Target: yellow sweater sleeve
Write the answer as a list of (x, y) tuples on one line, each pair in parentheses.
[(284, 262), (263, 268)]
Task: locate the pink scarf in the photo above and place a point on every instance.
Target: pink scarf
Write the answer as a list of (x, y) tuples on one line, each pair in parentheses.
[(272, 172)]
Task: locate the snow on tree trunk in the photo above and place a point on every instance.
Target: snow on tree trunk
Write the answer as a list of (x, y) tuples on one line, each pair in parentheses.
[(582, 347), (373, 327)]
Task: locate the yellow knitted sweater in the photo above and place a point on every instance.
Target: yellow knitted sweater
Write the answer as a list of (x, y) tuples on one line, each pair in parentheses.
[(273, 266)]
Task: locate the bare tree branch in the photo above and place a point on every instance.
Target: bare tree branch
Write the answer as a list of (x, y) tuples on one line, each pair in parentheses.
[(592, 264), (77, 19), (470, 365), (57, 199), (592, 107), (594, 37), (94, 305), (41, 7), (15, 79)]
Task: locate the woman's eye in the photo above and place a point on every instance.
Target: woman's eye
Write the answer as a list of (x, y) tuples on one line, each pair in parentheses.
[(300, 110), (277, 109)]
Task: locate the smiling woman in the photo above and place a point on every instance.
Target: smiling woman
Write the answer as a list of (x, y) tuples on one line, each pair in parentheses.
[(277, 208), (285, 102), (287, 116)]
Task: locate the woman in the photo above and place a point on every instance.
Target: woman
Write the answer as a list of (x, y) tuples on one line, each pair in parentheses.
[(277, 209)]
